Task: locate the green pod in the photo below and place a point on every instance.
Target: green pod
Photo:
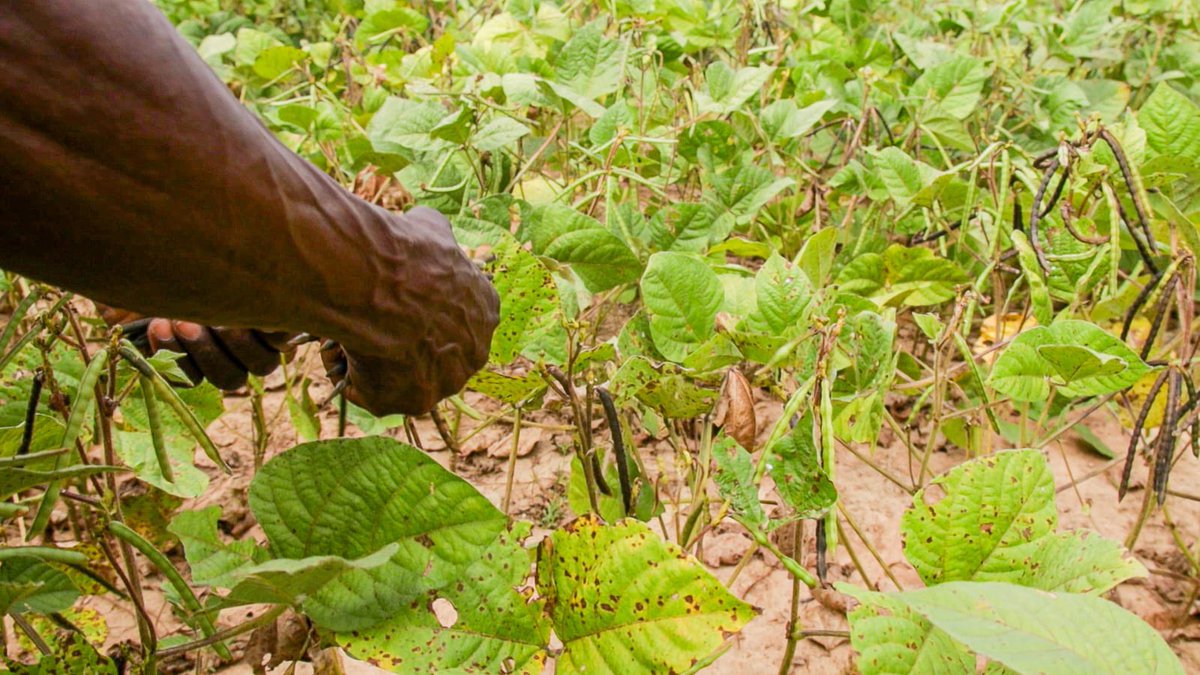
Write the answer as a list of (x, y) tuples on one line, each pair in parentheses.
[(85, 398), (156, 435), (18, 314), (44, 553), (81, 407), (186, 595), (163, 390)]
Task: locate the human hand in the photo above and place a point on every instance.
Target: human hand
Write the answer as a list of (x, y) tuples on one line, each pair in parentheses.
[(223, 356), (429, 328)]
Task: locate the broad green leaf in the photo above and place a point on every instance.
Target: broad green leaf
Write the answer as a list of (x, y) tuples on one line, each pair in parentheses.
[(623, 600), (682, 297), (135, 446), (30, 585), (1079, 562), (597, 255), (987, 524), (782, 119), (1172, 123), (1073, 363), (273, 62), (816, 256), (591, 64), (736, 196), (906, 179), (783, 294), (891, 638), (72, 655), (498, 133), (916, 277), (497, 626), (352, 497), (289, 582), (377, 27), (212, 561), (690, 227), (795, 467), (1024, 369), (404, 127), (665, 388), (1033, 631), (528, 300), (726, 90), (735, 481), (954, 85)]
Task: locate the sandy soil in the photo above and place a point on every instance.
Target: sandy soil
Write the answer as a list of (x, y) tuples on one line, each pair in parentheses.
[(1087, 499)]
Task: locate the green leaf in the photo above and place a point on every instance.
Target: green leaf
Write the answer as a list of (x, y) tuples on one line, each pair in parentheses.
[(682, 297), (1171, 122), (907, 180), (498, 133), (795, 467), (212, 561), (737, 195), (379, 26), (590, 64), (1073, 363), (891, 638), (289, 582), (497, 627), (816, 257), (30, 585), (735, 481), (509, 389), (987, 524), (1024, 369), (352, 497), (783, 295), (404, 127), (726, 90), (273, 62), (1033, 631), (611, 507), (528, 300), (782, 119), (916, 277), (663, 387), (954, 85), (1079, 562), (623, 600), (597, 255)]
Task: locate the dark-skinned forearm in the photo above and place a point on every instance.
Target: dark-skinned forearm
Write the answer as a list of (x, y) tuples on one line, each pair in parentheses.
[(130, 174)]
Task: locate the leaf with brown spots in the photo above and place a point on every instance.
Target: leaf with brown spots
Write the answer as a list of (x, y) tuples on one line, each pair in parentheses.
[(622, 600), (495, 628)]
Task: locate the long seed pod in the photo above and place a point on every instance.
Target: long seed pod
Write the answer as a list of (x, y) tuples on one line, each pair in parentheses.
[(35, 397), (1137, 433), (186, 595), (1142, 297), (165, 393), (618, 442), (1035, 213), (44, 553), (30, 457), (1166, 443), (81, 409), (156, 435), (1160, 311), (85, 398), (18, 314)]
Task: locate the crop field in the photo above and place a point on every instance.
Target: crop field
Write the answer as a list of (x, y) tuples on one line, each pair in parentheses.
[(835, 336)]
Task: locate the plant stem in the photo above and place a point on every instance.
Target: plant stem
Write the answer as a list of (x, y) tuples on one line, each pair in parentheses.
[(512, 460)]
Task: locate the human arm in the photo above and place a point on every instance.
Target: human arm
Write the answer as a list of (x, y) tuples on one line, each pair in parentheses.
[(133, 176)]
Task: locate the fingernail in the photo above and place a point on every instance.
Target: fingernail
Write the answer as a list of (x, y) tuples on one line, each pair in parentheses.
[(337, 370), (328, 344), (188, 330)]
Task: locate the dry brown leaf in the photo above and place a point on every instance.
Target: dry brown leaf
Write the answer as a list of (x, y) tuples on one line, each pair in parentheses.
[(735, 409)]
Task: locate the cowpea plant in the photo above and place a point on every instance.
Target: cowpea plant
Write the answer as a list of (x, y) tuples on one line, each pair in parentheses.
[(969, 227)]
